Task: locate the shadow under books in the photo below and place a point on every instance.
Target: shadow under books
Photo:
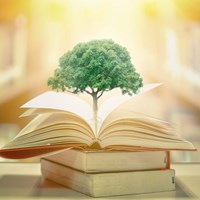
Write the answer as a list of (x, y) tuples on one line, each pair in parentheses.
[(36, 186)]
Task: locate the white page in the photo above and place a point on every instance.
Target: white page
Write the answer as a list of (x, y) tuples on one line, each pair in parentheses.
[(68, 102), (61, 101), (109, 105)]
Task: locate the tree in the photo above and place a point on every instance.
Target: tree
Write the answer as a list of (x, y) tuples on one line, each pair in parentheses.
[(95, 67)]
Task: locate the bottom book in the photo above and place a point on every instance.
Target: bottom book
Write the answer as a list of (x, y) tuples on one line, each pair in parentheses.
[(109, 184)]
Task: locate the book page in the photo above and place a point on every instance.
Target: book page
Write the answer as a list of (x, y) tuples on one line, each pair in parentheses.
[(61, 101), (113, 102), (52, 129), (37, 111), (124, 127), (52, 119), (125, 116)]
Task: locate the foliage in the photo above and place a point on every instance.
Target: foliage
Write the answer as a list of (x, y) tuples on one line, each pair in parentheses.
[(95, 67)]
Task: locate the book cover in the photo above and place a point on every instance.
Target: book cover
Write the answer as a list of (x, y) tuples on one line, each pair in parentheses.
[(111, 161), (109, 184)]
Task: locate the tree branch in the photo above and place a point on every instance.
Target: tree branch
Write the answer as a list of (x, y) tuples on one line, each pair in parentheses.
[(98, 90), (100, 95), (88, 92), (92, 90)]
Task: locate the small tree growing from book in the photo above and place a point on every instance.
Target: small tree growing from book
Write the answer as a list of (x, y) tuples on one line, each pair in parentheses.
[(95, 67)]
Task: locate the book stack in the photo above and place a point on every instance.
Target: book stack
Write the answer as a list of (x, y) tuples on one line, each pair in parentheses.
[(131, 148), (110, 173)]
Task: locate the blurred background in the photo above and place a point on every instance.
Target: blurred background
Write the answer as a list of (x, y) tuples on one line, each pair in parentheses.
[(162, 36)]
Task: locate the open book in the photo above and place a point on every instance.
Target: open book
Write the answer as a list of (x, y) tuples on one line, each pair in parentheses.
[(65, 121)]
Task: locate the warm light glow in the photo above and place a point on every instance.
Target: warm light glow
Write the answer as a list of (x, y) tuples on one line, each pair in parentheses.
[(162, 37), (188, 9), (171, 50)]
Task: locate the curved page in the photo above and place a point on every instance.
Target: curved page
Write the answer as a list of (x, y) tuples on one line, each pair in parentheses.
[(61, 101), (112, 103)]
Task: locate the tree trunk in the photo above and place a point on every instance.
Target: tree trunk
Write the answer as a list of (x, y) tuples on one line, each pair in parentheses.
[(95, 112)]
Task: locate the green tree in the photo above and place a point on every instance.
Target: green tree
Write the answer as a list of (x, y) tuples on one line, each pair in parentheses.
[(95, 67)]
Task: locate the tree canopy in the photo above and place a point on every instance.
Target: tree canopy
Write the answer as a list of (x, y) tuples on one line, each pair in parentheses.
[(95, 67)]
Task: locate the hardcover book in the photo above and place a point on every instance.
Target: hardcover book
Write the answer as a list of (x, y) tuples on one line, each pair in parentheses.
[(111, 161), (109, 184)]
